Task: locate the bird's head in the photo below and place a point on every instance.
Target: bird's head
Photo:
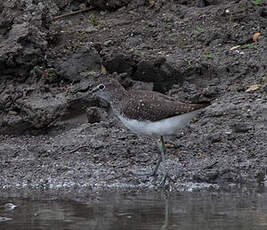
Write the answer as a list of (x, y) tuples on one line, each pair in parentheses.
[(108, 90)]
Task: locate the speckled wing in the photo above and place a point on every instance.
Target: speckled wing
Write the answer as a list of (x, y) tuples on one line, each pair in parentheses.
[(153, 106)]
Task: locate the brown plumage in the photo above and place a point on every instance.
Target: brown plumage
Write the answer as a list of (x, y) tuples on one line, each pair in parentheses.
[(140, 104), (153, 106)]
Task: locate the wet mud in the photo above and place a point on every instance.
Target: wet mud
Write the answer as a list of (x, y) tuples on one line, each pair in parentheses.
[(54, 135)]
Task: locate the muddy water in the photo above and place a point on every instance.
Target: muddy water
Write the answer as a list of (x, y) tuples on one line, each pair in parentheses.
[(198, 210)]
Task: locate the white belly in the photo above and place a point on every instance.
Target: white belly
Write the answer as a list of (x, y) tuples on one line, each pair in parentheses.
[(164, 127)]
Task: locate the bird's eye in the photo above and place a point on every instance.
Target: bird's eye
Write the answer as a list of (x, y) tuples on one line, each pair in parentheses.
[(101, 86)]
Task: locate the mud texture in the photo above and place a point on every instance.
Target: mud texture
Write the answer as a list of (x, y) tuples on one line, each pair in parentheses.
[(54, 135)]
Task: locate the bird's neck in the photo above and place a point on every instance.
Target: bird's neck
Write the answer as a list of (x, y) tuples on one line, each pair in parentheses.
[(117, 96)]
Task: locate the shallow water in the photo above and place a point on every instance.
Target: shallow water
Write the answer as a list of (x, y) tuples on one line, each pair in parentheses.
[(194, 210)]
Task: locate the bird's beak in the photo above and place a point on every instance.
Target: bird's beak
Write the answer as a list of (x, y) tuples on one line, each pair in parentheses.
[(93, 90)]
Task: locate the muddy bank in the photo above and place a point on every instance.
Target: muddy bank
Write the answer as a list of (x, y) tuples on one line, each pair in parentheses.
[(192, 51)]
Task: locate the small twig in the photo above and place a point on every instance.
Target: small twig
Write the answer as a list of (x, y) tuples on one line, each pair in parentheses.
[(210, 166), (72, 13), (75, 150)]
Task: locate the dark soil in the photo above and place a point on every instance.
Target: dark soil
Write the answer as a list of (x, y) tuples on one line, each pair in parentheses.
[(191, 50)]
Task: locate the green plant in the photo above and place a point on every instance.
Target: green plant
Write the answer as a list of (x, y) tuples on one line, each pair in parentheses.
[(70, 22), (199, 29), (248, 46), (262, 80), (180, 41), (190, 63), (256, 2), (93, 19), (52, 27), (140, 52), (208, 56), (230, 17)]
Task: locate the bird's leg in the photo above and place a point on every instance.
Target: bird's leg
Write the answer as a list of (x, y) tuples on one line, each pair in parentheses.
[(163, 152), (155, 170), (162, 148)]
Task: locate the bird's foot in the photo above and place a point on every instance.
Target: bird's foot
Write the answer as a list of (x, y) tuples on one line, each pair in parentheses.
[(152, 173), (148, 174), (164, 178)]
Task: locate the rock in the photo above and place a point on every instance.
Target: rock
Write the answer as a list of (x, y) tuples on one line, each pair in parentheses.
[(61, 4), (132, 42), (13, 125), (23, 35), (119, 63), (34, 12), (95, 114), (139, 85), (240, 127), (263, 12), (21, 50), (73, 65), (35, 112), (161, 73), (108, 4), (108, 42), (201, 3)]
